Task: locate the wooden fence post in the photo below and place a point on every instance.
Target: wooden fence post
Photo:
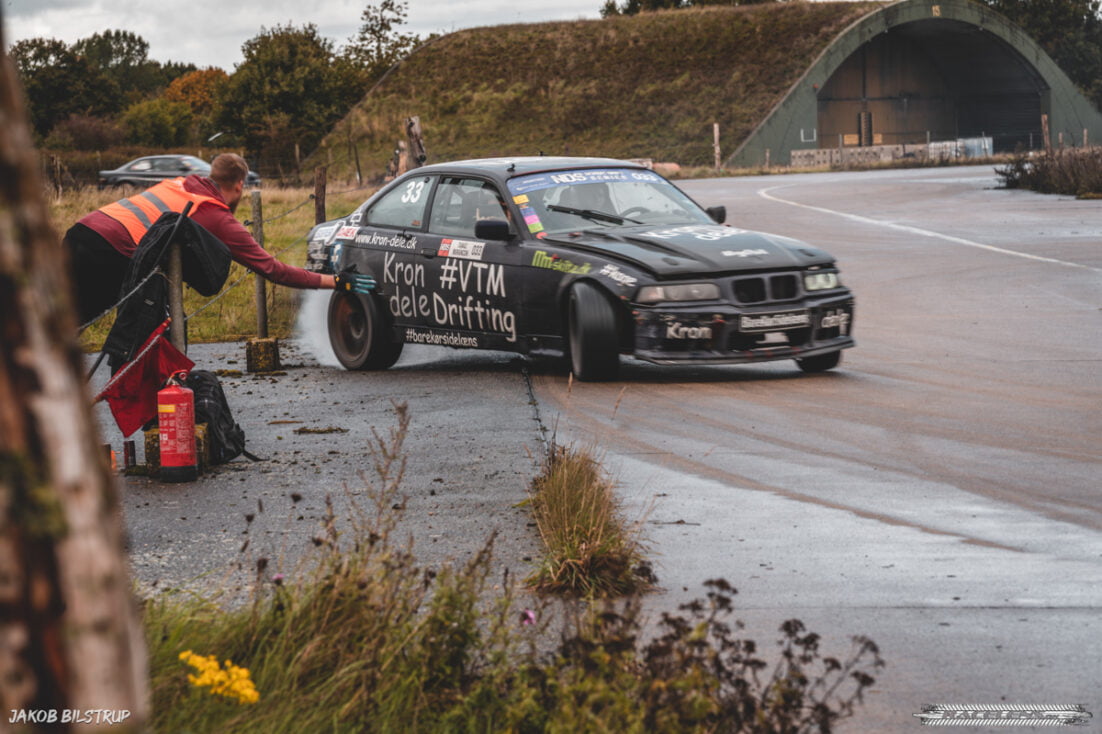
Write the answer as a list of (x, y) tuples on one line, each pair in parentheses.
[(261, 284), (178, 330), (320, 175), (715, 143)]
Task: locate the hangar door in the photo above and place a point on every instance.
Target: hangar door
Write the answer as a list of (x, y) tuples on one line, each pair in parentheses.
[(934, 79)]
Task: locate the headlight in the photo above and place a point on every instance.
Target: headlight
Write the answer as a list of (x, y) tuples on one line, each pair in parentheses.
[(820, 281), (684, 292)]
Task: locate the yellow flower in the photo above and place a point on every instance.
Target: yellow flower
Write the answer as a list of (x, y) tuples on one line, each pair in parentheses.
[(231, 682)]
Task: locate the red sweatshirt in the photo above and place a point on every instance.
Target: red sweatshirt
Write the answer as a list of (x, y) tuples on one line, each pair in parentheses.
[(223, 225)]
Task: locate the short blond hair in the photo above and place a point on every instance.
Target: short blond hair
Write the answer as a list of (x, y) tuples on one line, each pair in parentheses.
[(228, 169)]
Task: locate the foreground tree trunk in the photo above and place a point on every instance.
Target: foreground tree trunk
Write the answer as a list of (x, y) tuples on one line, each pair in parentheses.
[(70, 638)]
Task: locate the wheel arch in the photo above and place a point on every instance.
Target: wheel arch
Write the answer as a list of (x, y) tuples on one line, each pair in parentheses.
[(625, 324)]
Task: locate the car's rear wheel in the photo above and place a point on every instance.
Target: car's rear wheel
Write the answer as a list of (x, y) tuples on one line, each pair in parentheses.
[(359, 333), (594, 341), (820, 362)]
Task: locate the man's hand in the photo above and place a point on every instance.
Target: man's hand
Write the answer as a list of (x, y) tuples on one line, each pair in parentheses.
[(349, 280)]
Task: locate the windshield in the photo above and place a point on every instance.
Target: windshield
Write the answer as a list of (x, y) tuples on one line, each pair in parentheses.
[(567, 201)]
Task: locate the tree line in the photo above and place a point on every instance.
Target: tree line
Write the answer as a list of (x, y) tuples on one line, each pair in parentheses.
[(291, 87), (293, 84)]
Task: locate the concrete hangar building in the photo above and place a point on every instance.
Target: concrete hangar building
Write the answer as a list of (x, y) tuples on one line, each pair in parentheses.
[(920, 71)]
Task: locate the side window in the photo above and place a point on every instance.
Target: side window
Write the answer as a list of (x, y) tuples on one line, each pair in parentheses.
[(402, 207), (141, 166), (461, 202)]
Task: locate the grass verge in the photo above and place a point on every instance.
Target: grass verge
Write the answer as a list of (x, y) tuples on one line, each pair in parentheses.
[(1072, 171), (363, 639), (591, 551)]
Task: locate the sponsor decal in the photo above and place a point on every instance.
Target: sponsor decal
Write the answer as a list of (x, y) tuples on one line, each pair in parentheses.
[(531, 219), (613, 273), (835, 318), (677, 330), (356, 217), (703, 232), (522, 199), (389, 241), (443, 339), (466, 297), (541, 259), (466, 249), (774, 321), (347, 233), (323, 234), (744, 253), (535, 182)]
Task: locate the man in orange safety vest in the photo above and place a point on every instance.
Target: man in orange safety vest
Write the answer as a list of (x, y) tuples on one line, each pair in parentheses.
[(101, 243)]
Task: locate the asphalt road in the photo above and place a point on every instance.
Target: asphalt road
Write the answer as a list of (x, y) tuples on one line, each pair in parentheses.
[(939, 492), (942, 491)]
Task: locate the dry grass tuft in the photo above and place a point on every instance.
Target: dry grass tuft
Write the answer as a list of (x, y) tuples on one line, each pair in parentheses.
[(591, 550)]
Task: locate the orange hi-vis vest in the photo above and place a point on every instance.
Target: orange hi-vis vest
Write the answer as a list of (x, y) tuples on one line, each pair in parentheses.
[(139, 212)]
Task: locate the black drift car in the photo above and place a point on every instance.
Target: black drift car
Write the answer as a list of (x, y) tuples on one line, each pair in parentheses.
[(588, 256)]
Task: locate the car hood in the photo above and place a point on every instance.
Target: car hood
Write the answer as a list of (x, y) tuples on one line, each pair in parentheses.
[(679, 250)]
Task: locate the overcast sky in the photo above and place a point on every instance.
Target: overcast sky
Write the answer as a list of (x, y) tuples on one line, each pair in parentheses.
[(211, 32)]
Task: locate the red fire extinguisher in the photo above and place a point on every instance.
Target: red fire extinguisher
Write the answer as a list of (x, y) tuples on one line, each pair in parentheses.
[(176, 426)]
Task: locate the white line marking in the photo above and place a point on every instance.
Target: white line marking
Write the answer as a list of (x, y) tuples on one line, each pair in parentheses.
[(764, 193)]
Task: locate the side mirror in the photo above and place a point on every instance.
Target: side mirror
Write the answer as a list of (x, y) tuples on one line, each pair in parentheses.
[(492, 229), (717, 213)]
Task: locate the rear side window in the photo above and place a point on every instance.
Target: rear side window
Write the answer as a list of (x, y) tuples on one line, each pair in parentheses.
[(402, 207)]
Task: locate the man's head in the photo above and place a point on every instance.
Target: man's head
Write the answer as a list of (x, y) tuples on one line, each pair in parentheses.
[(228, 171)]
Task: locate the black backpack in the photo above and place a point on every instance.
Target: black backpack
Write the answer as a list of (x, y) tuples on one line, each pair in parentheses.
[(224, 435)]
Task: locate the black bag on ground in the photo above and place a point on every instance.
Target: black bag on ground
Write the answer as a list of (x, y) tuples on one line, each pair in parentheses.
[(224, 436)]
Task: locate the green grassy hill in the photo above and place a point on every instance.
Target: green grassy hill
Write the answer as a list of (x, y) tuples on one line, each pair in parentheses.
[(645, 86)]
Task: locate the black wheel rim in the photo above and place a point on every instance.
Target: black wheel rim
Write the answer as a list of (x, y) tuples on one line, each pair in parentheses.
[(353, 329)]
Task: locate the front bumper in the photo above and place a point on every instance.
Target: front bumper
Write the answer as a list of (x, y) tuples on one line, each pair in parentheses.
[(735, 335)]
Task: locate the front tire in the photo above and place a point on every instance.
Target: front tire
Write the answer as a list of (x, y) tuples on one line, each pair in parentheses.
[(820, 363), (594, 339), (359, 333)]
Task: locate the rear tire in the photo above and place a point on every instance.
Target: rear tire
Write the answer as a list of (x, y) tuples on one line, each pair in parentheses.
[(593, 337), (820, 363), (359, 334)]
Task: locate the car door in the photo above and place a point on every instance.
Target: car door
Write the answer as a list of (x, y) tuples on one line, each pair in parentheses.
[(388, 243), (476, 288)]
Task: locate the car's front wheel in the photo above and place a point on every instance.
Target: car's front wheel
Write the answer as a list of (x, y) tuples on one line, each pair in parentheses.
[(594, 341), (821, 362), (359, 334)]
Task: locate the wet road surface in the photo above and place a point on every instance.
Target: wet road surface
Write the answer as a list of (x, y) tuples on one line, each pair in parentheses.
[(941, 492)]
